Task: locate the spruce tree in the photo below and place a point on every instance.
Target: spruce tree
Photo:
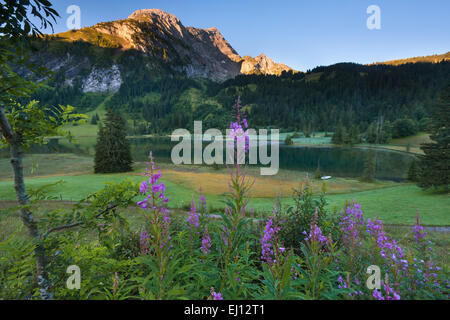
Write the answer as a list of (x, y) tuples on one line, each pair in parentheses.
[(340, 135), (434, 164), (413, 171), (112, 152), (354, 136)]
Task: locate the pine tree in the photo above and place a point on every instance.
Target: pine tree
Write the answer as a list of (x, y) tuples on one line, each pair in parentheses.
[(434, 164), (354, 136), (112, 152), (340, 134)]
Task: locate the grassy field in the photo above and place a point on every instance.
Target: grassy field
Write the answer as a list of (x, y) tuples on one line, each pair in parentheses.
[(395, 203), (415, 140)]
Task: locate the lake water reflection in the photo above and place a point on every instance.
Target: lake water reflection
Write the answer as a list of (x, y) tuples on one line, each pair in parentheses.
[(334, 161)]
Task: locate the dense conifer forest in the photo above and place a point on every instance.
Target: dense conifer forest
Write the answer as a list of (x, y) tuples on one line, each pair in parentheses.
[(356, 95)]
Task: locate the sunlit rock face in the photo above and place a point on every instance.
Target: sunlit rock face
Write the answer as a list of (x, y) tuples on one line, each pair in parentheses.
[(163, 40), (262, 65)]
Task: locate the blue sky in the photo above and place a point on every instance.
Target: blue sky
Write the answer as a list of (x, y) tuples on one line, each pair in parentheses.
[(302, 34)]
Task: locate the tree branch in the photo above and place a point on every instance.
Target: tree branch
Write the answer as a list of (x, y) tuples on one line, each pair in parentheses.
[(7, 89), (76, 224)]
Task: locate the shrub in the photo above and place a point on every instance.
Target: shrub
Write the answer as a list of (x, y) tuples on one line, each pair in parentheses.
[(298, 217), (288, 141), (403, 128)]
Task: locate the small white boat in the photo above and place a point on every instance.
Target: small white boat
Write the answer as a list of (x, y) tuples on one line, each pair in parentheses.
[(326, 178)]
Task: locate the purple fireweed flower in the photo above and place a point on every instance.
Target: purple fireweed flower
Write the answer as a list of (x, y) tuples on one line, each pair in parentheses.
[(271, 248), (155, 202), (144, 187), (351, 223), (158, 188), (315, 234), (404, 269), (193, 219), (216, 295), (266, 246), (390, 291), (206, 242), (377, 295), (238, 134)]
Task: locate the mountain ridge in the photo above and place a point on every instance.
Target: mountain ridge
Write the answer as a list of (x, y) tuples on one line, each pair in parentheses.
[(157, 42), (435, 58), (161, 35)]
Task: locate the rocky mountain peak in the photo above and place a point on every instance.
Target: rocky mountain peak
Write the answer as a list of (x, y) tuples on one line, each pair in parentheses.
[(163, 38), (262, 64), (145, 13)]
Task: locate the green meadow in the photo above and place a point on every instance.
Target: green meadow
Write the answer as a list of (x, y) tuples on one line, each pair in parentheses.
[(394, 203)]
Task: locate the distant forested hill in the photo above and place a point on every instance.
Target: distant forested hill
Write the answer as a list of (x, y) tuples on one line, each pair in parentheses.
[(162, 75), (351, 93), (436, 58), (159, 101)]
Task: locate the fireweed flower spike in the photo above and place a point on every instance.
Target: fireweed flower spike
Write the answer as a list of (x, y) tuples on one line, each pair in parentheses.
[(266, 245), (239, 186), (315, 233), (274, 255), (206, 242), (156, 237), (193, 219), (237, 133)]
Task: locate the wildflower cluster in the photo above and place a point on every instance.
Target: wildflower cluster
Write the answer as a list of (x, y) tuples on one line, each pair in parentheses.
[(350, 224), (347, 284), (404, 273)]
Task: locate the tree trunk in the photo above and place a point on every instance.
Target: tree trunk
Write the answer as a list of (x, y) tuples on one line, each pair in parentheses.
[(16, 151)]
